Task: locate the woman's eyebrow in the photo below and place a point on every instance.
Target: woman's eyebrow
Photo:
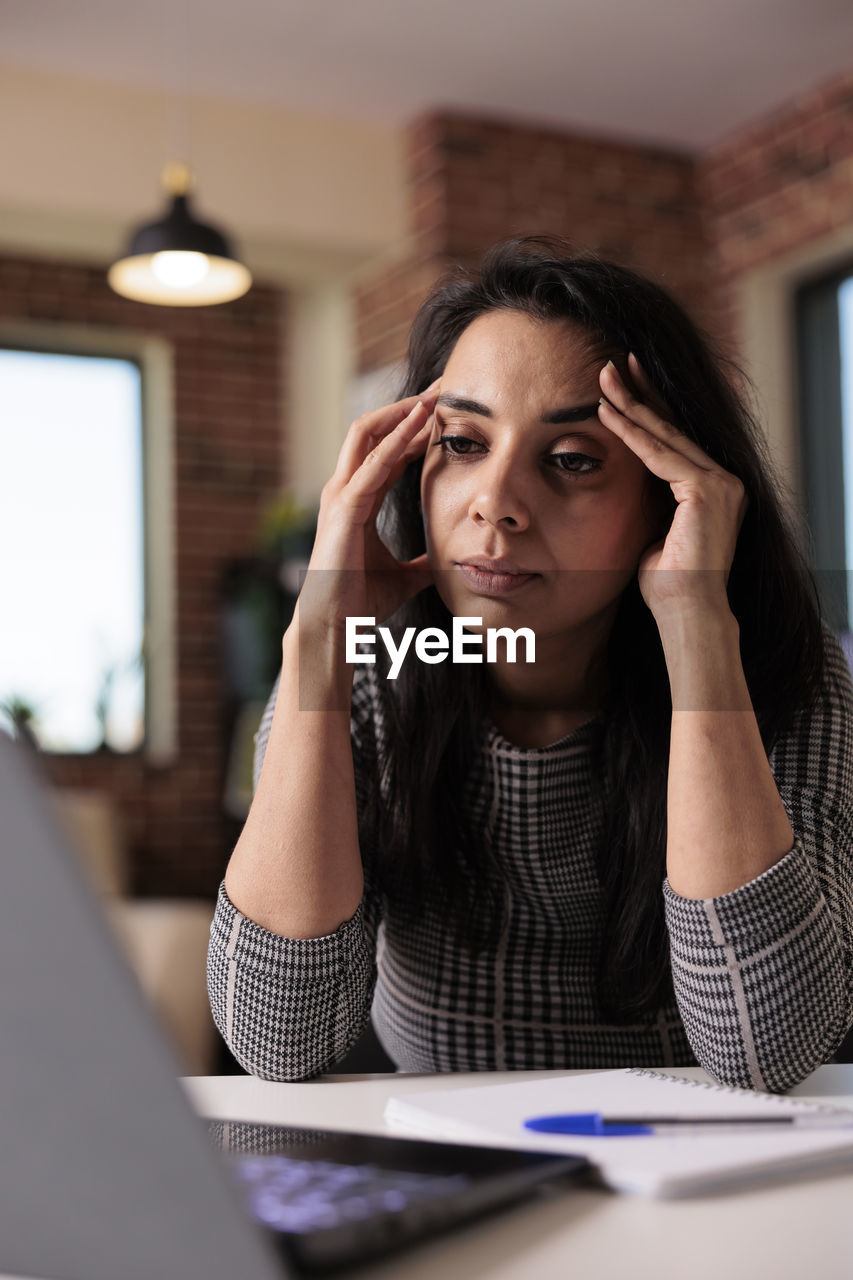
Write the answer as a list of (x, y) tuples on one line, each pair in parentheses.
[(579, 413)]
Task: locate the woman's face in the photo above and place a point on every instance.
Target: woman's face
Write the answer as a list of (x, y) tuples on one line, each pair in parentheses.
[(519, 468)]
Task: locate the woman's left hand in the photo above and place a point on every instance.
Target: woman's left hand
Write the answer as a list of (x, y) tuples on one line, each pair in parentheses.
[(690, 566)]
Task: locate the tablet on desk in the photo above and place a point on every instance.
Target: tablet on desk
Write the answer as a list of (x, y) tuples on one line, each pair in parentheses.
[(332, 1199)]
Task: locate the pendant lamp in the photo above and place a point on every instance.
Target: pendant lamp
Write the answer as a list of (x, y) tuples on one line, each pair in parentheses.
[(179, 261)]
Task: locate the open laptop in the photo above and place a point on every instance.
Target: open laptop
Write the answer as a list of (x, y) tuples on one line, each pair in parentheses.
[(105, 1171)]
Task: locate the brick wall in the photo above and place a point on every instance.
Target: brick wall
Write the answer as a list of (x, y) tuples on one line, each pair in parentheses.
[(228, 411), (472, 182), (780, 184)]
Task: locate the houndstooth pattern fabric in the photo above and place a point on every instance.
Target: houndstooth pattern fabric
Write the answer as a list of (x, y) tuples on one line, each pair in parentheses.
[(763, 975)]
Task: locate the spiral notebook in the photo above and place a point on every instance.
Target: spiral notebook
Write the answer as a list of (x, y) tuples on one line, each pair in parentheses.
[(658, 1165)]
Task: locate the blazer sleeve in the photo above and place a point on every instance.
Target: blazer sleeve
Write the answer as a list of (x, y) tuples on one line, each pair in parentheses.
[(764, 975), (291, 1008)]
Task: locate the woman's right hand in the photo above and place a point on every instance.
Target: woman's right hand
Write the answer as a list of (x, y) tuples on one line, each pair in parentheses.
[(351, 572)]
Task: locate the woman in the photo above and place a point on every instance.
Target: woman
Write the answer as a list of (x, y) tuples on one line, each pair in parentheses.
[(635, 850)]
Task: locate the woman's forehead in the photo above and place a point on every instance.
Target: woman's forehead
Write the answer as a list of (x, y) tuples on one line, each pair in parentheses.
[(513, 336), (509, 359)]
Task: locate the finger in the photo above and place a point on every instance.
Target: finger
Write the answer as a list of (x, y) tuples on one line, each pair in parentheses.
[(415, 449), (421, 440), (372, 477), (659, 456), (641, 378), (646, 390), (643, 415), (368, 430)]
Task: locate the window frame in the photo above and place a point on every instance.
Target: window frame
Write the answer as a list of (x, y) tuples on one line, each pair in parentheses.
[(764, 301), (154, 358), (819, 372)]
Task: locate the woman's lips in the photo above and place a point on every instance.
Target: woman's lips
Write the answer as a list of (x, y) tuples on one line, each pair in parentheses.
[(494, 584)]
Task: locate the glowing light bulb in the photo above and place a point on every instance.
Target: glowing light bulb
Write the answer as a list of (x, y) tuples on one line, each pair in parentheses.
[(180, 269)]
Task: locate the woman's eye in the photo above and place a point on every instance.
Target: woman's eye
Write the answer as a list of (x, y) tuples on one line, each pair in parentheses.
[(576, 463), (457, 446), (564, 462)]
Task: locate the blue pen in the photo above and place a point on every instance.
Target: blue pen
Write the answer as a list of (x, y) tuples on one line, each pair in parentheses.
[(593, 1124)]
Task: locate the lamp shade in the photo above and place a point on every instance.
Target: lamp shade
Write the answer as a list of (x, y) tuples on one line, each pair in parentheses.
[(179, 261)]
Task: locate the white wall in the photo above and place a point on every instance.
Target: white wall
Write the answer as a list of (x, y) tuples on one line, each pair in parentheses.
[(312, 203), (321, 193)]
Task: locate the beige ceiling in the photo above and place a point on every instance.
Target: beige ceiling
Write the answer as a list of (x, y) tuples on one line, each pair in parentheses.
[(681, 73)]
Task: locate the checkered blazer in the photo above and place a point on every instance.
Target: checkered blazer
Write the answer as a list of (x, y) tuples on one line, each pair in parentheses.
[(763, 976)]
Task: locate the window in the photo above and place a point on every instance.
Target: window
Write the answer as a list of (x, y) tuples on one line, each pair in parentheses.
[(86, 548), (845, 316), (824, 313)]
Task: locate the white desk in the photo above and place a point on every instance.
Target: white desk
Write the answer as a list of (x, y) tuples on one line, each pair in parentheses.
[(799, 1230)]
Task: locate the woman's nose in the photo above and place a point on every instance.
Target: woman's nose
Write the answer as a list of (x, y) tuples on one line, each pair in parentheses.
[(497, 497)]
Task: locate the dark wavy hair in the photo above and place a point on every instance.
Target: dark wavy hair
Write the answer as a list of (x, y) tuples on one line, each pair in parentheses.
[(425, 841)]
